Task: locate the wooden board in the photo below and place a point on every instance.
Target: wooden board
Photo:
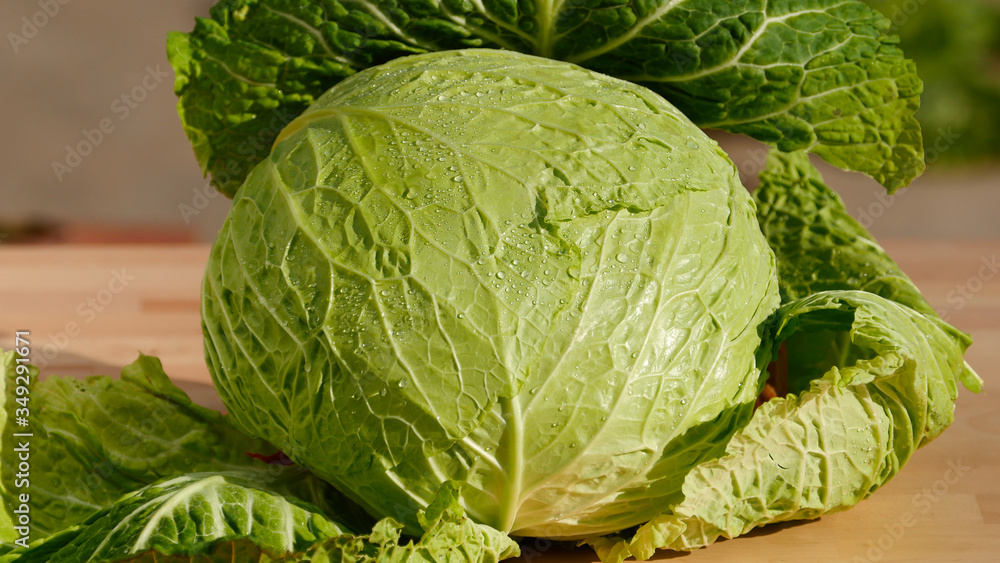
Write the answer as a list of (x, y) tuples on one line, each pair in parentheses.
[(91, 309)]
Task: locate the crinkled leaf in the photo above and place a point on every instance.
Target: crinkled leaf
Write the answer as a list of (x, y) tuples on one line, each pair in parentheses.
[(208, 518), (818, 75), (553, 296), (198, 517), (819, 247), (101, 438), (830, 446), (448, 536), (257, 64)]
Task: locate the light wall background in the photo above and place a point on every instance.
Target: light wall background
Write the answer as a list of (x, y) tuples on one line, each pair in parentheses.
[(73, 71), (68, 78)]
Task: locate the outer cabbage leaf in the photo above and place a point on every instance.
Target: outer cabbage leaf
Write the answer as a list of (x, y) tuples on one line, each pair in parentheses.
[(818, 75), (198, 515), (255, 65), (821, 76), (101, 438), (819, 247), (448, 536), (230, 517), (869, 374), (830, 446), (551, 293)]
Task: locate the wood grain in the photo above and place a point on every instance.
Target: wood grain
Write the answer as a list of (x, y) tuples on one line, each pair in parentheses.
[(944, 506)]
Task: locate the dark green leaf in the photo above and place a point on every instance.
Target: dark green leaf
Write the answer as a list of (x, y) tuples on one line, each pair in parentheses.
[(817, 75)]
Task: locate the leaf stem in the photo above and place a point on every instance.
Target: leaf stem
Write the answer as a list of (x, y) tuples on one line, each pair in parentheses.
[(513, 445)]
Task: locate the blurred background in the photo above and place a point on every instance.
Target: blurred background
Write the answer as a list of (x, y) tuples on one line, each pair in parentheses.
[(97, 71)]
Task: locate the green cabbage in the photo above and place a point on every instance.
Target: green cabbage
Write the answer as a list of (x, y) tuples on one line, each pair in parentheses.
[(548, 287), (540, 282), (487, 295)]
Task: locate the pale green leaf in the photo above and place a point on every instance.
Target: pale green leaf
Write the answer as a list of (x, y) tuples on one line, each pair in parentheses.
[(829, 446), (552, 294), (100, 438), (198, 517)]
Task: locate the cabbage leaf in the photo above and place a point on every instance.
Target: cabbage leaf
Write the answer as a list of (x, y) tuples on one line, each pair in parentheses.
[(873, 373), (552, 294), (955, 47), (820, 247), (830, 446), (225, 517), (817, 75), (100, 438)]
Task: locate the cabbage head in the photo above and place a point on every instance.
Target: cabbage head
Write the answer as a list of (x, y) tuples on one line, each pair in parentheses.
[(544, 292), (540, 282)]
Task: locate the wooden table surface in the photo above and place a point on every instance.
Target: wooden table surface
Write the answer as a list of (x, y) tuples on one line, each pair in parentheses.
[(91, 309)]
